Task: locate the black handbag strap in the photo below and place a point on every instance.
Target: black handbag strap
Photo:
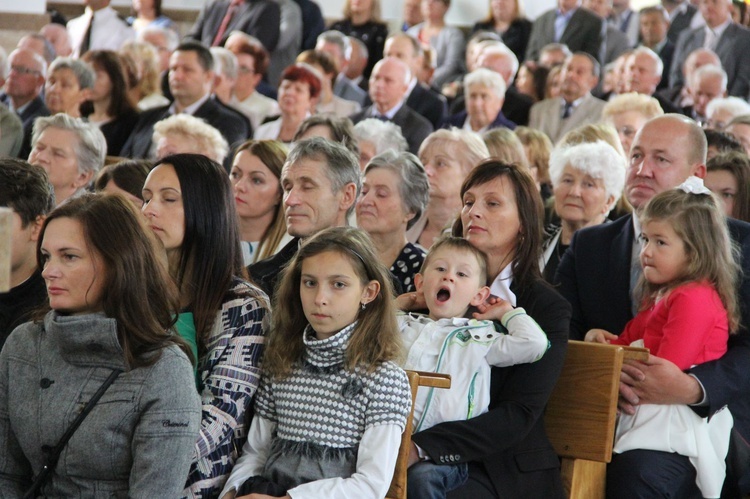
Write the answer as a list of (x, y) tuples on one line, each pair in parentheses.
[(54, 454)]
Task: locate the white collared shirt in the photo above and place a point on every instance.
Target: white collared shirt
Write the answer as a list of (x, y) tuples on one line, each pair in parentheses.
[(390, 113), (108, 32), (501, 285), (192, 108)]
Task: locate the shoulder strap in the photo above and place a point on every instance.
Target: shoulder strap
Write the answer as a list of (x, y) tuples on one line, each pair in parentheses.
[(54, 454)]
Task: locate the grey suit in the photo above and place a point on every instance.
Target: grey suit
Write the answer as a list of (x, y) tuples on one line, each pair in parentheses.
[(583, 33), (547, 116), (414, 127), (732, 49), (347, 90), (615, 43), (259, 18)]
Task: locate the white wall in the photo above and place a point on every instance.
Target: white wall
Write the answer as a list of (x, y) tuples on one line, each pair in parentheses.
[(25, 6)]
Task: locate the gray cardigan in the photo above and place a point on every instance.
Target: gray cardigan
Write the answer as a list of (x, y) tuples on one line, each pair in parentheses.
[(136, 442)]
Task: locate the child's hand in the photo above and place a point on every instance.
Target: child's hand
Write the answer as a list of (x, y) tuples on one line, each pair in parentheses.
[(493, 309), (411, 301), (599, 336)]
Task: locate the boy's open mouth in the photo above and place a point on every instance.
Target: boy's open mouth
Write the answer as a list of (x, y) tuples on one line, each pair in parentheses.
[(443, 295)]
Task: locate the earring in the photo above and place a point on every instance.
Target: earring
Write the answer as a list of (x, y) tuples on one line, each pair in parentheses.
[(362, 305)]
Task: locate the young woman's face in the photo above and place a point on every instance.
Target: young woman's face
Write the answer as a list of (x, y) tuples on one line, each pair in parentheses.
[(163, 207), (723, 183), (103, 86), (257, 191), (74, 274), (332, 293)]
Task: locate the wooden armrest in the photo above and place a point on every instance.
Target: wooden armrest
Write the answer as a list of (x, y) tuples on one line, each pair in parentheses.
[(437, 380), (635, 353)]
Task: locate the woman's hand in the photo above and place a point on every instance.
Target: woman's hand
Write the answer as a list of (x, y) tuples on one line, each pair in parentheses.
[(599, 336), (411, 301), (493, 309)]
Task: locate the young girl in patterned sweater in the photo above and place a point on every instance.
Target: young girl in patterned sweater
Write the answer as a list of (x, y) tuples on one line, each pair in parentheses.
[(332, 404)]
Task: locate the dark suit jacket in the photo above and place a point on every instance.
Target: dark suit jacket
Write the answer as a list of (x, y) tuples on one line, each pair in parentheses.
[(681, 22), (414, 127), (666, 54), (732, 49), (507, 446), (594, 276), (666, 105), (516, 37), (500, 121), (429, 104), (583, 33), (265, 273), (259, 18), (33, 110), (232, 125)]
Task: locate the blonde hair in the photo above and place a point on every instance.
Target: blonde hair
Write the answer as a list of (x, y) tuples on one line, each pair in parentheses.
[(375, 11), (632, 101), (537, 147), (147, 61), (699, 222), (469, 148), (375, 339), (206, 139), (505, 146)]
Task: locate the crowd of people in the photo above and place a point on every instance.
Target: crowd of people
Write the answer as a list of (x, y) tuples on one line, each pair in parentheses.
[(228, 246)]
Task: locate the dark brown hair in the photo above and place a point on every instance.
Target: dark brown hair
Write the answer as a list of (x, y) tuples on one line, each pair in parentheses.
[(129, 175), (111, 63), (738, 164), (530, 213), (138, 292)]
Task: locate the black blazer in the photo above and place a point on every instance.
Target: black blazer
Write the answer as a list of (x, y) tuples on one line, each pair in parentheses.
[(117, 131), (265, 273), (679, 23), (429, 104), (259, 18), (414, 127), (666, 54), (594, 276), (583, 33), (516, 37), (232, 125), (507, 447)]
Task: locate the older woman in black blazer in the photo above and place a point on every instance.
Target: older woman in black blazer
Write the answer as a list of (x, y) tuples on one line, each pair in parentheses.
[(507, 448)]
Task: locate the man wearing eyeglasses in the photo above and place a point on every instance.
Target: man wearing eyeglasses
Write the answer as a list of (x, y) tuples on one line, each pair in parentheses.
[(22, 92)]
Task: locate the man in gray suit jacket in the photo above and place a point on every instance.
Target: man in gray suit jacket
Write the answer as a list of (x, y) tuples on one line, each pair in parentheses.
[(259, 18), (581, 30), (575, 106), (389, 82), (729, 40)]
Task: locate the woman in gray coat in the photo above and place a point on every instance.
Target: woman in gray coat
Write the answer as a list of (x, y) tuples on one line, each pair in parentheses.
[(112, 308)]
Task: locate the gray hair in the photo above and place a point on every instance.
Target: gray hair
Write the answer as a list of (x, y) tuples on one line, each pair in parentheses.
[(732, 105), (360, 45), (91, 149), (471, 149), (49, 50), (384, 135), (413, 186), (710, 70), (170, 36), (597, 159), (653, 55), (207, 138), (339, 39), (342, 166), (38, 59), (486, 78), (225, 62), (83, 72)]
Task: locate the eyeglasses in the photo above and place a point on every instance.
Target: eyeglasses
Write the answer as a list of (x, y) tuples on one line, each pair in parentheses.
[(24, 71), (244, 70)]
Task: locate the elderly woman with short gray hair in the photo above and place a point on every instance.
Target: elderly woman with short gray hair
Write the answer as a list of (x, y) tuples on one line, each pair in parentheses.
[(375, 136), (68, 85), (394, 195), (71, 150), (587, 181)]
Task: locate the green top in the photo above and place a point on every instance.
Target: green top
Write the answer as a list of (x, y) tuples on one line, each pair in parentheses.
[(186, 329)]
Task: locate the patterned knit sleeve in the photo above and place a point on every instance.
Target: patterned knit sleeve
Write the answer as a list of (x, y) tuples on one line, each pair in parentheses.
[(389, 397), (231, 370), (264, 402)]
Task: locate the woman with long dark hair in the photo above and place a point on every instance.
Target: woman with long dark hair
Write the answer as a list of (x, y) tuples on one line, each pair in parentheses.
[(189, 205), (111, 310), (109, 106)]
